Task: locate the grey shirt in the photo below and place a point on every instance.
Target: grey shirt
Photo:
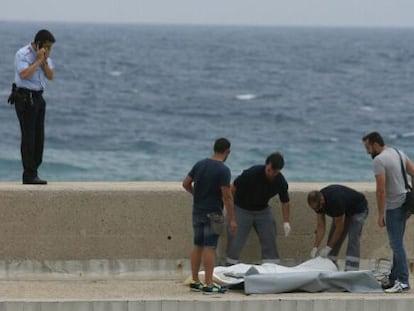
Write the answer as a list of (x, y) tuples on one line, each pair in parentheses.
[(388, 163)]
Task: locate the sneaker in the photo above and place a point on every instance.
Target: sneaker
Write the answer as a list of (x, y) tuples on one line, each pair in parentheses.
[(196, 286), (398, 288), (214, 289), (387, 283)]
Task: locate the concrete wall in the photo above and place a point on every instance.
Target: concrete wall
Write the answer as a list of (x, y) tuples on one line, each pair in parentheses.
[(84, 221)]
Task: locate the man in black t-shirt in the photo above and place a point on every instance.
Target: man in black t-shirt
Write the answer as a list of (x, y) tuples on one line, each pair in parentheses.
[(349, 209), (252, 191)]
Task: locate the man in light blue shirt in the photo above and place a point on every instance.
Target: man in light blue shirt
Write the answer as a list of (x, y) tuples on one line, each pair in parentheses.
[(33, 67)]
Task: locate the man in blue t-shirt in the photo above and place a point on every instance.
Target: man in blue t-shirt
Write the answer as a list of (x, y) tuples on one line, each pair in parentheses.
[(209, 183), (252, 191), (349, 209)]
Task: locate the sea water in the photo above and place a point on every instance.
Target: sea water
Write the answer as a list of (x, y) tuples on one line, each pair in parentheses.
[(145, 102)]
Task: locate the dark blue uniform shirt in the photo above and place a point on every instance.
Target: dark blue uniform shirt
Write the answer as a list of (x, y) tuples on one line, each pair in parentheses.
[(340, 200), (254, 189)]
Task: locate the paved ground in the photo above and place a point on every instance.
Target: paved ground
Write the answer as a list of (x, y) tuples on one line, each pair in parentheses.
[(92, 290), (172, 295)]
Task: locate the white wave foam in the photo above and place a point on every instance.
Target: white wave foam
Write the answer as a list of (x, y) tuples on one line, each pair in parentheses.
[(115, 73), (410, 134), (246, 96), (367, 108), (403, 135)]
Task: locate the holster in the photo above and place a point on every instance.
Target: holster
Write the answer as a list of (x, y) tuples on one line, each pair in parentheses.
[(21, 96), (12, 97)]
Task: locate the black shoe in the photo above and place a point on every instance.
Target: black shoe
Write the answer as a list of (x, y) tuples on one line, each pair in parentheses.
[(34, 181), (386, 284)]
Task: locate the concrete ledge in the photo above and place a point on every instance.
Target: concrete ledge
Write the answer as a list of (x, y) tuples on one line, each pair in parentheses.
[(96, 269), (99, 246), (122, 221)]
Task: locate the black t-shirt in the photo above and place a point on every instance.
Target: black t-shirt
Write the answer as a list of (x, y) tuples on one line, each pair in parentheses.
[(254, 189), (340, 200)]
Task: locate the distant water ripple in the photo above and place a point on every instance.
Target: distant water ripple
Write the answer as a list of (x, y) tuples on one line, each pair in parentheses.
[(144, 102)]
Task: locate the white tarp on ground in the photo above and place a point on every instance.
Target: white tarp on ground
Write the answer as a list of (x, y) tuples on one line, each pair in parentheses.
[(315, 275)]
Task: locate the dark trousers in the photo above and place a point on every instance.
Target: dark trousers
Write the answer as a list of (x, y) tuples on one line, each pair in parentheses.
[(264, 224), (30, 110), (353, 229)]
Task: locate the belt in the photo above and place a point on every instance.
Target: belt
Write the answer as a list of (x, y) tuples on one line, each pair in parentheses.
[(29, 91)]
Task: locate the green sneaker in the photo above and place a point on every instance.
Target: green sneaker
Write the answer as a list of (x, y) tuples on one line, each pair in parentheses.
[(214, 289), (196, 286)]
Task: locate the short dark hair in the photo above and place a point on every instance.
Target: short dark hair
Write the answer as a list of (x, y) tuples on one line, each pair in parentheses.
[(44, 35), (221, 145), (314, 197), (275, 160), (374, 137)]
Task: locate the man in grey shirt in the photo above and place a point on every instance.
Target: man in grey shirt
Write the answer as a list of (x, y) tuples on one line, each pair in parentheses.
[(390, 194)]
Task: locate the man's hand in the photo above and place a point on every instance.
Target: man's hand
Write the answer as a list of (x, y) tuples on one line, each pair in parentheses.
[(381, 221), (233, 226), (41, 56), (313, 252), (286, 228), (47, 53), (325, 251)]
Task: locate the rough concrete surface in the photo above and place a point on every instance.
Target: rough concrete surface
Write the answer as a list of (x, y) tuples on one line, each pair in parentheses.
[(52, 236)]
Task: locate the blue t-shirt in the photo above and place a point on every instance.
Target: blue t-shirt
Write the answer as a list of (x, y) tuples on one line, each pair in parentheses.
[(254, 189), (340, 200), (209, 176)]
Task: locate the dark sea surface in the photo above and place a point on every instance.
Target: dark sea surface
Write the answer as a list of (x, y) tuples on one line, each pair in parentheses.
[(145, 102)]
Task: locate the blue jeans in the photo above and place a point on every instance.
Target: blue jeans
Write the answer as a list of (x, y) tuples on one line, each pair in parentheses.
[(395, 222), (203, 236)]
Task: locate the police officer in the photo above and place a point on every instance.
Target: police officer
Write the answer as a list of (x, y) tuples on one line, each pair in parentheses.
[(33, 67)]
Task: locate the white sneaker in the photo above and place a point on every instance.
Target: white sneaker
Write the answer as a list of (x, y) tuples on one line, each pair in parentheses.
[(398, 288)]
